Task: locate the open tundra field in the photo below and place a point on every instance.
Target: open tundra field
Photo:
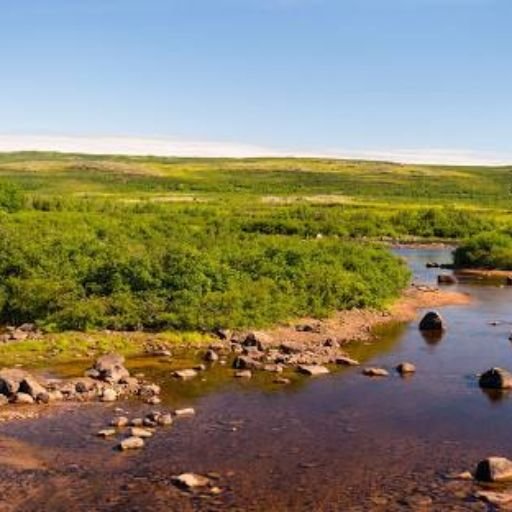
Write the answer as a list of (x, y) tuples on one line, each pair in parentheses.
[(96, 242)]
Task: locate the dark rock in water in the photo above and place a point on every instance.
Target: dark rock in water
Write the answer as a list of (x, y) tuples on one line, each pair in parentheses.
[(494, 469), (111, 368), (246, 363), (446, 279), (432, 321), (211, 356), (496, 378)]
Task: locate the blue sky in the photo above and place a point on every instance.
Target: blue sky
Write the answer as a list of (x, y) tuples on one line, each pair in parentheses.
[(326, 76)]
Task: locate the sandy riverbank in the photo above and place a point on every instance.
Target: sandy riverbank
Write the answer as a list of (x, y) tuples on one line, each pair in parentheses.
[(359, 324)]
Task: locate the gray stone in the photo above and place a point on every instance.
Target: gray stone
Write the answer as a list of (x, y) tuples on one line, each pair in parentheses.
[(405, 368), (131, 443), (246, 363), (23, 398), (312, 369), (186, 374), (346, 361), (109, 395), (140, 432), (32, 387), (375, 372), (10, 380), (111, 368), (191, 480)]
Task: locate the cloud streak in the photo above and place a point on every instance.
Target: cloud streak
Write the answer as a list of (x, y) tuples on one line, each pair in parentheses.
[(163, 146)]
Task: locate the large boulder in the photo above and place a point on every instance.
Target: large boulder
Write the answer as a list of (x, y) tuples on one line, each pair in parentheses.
[(496, 378), (432, 321), (11, 379), (494, 469), (111, 368)]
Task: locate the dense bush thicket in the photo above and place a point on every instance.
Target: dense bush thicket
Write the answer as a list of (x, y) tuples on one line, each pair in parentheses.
[(181, 270), (487, 250), (90, 242)]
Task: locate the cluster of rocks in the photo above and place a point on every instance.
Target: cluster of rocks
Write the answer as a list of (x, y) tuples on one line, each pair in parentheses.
[(107, 381), (257, 351), (21, 333), (134, 432)]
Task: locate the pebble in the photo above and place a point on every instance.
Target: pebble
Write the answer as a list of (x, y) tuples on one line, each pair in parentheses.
[(181, 413), (140, 432)]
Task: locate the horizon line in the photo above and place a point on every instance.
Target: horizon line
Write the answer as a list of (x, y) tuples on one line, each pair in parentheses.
[(185, 148)]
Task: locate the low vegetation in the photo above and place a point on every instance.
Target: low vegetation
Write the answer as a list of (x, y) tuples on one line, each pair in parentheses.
[(90, 242)]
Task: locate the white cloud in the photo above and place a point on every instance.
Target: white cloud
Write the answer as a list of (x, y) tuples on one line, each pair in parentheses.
[(188, 148)]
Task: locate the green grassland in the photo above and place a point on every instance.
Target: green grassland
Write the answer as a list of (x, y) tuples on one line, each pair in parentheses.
[(94, 242)]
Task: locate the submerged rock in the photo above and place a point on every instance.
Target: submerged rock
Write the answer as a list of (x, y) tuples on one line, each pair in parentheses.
[(432, 321), (243, 374), (346, 361), (375, 372), (312, 370), (446, 279), (494, 469), (496, 378), (186, 374), (405, 368)]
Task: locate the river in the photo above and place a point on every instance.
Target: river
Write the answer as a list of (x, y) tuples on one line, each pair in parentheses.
[(342, 442)]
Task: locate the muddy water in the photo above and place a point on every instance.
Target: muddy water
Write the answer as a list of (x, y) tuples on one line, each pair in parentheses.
[(342, 442)]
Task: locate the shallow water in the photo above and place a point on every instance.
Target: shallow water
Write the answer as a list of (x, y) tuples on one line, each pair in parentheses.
[(337, 443)]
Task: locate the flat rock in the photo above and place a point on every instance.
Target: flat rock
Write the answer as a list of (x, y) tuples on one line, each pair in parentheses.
[(375, 372), (494, 469), (186, 374), (131, 443), (496, 378), (107, 432), (243, 374), (191, 480), (180, 413), (497, 499), (245, 362), (313, 369), (140, 432), (346, 361)]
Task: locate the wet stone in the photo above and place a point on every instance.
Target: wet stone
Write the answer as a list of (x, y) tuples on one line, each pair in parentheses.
[(375, 372), (131, 443), (313, 370), (191, 481), (186, 374), (140, 432)]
